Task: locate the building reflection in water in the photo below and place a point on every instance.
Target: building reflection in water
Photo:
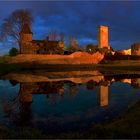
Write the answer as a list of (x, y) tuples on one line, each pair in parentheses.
[(135, 83), (90, 85), (102, 91), (28, 89), (57, 88), (103, 95), (54, 91), (25, 115), (73, 90)]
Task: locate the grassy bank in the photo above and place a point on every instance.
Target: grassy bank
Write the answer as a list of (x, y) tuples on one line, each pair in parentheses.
[(103, 68), (111, 67)]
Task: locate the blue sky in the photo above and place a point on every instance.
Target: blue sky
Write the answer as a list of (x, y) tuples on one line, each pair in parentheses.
[(81, 19)]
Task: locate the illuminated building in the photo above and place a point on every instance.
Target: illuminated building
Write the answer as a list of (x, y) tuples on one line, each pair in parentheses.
[(103, 37)]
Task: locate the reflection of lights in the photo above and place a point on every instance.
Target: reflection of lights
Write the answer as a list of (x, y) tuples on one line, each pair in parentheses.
[(126, 81)]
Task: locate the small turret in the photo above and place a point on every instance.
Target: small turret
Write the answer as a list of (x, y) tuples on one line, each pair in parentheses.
[(25, 33)]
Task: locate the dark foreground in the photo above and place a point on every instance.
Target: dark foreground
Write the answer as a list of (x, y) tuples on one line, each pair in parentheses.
[(131, 65), (127, 126)]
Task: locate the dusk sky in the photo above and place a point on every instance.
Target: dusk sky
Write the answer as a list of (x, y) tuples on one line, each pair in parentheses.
[(81, 19)]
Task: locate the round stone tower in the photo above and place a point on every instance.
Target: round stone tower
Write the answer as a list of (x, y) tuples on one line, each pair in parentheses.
[(135, 49), (25, 36)]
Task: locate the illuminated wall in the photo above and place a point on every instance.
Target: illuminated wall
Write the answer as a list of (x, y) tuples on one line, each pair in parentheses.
[(103, 36)]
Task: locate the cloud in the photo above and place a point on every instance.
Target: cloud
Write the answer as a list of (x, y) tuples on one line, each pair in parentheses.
[(82, 18)]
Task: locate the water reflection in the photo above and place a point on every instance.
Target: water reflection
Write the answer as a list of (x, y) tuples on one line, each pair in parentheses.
[(103, 95), (73, 99), (27, 90)]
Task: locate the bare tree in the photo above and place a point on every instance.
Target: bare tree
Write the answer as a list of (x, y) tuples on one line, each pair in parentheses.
[(72, 44), (11, 26), (53, 35), (62, 36)]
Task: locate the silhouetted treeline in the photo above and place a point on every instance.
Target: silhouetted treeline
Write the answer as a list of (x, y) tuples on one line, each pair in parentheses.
[(121, 57)]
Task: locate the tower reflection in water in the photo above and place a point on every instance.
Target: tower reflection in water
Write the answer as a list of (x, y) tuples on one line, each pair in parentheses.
[(27, 91), (25, 95), (103, 95)]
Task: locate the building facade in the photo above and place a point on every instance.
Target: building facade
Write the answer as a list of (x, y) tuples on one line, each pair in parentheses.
[(30, 46)]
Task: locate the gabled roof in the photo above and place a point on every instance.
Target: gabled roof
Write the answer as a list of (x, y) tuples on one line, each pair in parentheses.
[(25, 29)]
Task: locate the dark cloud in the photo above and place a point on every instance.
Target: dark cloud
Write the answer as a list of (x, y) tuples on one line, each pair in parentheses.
[(81, 19)]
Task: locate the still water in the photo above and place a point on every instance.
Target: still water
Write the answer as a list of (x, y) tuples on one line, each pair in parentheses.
[(66, 102)]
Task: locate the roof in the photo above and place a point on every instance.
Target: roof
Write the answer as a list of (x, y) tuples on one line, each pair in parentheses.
[(49, 41), (39, 41), (25, 29)]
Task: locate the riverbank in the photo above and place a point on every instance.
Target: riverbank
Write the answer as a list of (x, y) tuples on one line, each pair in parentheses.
[(50, 63), (125, 67), (74, 58), (72, 62)]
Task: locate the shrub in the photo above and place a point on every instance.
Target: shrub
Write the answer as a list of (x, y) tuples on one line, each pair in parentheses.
[(90, 48), (13, 51)]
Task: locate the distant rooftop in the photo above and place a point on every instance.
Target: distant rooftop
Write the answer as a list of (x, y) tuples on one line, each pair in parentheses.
[(25, 29)]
